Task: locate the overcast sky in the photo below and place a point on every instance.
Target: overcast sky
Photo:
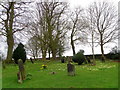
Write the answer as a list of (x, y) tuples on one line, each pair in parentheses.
[(85, 3), (86, 48)]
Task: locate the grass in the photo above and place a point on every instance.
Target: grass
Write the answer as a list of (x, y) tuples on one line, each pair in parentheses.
[(103, 75)]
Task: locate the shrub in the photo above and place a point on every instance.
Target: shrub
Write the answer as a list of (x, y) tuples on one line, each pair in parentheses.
[(28, 76), (79, 57), (114, 54), (19, 53)]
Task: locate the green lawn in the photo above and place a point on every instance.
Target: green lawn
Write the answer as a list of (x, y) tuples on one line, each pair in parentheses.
[(103, 75)]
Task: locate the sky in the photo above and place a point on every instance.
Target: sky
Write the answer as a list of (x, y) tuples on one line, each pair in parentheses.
[(86, 48), (85, 3)]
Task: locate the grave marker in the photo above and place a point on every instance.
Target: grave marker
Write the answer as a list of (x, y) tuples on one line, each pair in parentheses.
[(71, 69), (21, 73)]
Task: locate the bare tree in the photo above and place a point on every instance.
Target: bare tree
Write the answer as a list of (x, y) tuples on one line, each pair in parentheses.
[(10, 16), (104, 18), (33, 47), (8, 26), (50, 26), (77, 26), (91, 30)]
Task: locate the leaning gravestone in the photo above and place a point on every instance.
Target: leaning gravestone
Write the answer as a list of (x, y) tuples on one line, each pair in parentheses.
[(21, 73), (71, 69)]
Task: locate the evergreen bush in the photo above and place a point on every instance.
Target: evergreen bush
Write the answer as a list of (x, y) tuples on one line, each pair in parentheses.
[(79, 57), (19, 53)]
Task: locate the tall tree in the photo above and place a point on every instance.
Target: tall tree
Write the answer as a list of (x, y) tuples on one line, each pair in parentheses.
[(10, 14), (8, 27), (77, 26), (33, 48), (104, 18), (91, 30), (50, 25)]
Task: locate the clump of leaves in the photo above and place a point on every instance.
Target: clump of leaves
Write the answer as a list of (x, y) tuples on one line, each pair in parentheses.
[(29, 76)]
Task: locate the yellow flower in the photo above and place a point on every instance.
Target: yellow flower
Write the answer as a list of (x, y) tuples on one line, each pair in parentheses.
[(43, 65)]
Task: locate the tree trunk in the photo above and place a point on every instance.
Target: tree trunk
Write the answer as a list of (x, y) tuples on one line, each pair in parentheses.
[(34, 57), (49, 53), (103, 57), (93, 47), (93, 52), (93, 55), (10, 43), (102, 50), (53, 55), (36, 51), (60, 54), (72, 44), (44, 55), (9, 30), (33, 54)]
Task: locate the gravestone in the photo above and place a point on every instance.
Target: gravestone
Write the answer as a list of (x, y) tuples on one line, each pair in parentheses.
[(31, 60), (19, 77), (71, 69), (21, 73)]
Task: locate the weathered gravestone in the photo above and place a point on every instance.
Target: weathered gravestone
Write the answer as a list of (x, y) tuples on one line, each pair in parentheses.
[(71, 69), (21, 73)]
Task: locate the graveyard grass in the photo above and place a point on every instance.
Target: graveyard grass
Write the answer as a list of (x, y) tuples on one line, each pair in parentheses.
[(103, 75)]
